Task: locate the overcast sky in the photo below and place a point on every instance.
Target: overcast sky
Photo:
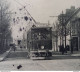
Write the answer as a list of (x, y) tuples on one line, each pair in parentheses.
[(42, 9)]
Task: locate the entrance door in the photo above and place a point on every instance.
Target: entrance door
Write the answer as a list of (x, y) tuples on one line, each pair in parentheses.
[(74, 43)]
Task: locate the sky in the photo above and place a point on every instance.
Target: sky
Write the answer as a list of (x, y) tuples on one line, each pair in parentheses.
[(40, 10)]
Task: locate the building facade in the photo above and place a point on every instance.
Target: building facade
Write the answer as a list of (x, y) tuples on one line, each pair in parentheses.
[(74, 31), (70, 29)]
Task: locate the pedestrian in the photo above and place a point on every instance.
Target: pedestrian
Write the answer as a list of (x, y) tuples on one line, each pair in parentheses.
[(62, 48), (71, 47), (68, 47), (14, 48), (21, 47), (65, 49), (72, 50)]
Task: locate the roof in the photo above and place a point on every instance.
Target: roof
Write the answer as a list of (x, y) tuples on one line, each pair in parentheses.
[(78, 9), (39, 27)]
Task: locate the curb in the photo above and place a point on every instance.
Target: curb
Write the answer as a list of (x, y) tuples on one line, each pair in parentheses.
[(4, 55), (70, 55)]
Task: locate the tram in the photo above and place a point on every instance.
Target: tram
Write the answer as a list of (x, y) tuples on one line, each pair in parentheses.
[(39, 42)]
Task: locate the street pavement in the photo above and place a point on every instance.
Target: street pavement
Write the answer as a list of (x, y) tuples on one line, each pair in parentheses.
[(56, 63), (18, 53), (41, 65)]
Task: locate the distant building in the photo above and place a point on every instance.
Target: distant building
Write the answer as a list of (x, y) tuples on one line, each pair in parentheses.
[(74, 30), (71, 19)]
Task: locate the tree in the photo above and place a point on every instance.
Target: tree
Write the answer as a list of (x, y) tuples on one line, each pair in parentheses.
[(5, 32)]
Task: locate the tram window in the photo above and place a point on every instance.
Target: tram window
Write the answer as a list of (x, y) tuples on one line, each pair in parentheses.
[(48, 35), (39, 36)]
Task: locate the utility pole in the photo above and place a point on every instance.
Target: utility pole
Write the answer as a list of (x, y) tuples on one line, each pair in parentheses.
[(62, 24), (1, 29), (60, 40), (65, 36)]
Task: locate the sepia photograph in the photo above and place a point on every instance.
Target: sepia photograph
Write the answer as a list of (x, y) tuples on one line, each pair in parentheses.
[(39, 35)]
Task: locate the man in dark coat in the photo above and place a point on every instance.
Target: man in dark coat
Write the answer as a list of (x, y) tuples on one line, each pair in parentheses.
[(62, 48)]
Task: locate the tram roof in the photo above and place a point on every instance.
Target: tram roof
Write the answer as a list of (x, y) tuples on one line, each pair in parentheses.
[(40, 27), (37, 28)]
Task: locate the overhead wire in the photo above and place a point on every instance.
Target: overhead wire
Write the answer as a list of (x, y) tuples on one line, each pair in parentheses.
[(26, 10)]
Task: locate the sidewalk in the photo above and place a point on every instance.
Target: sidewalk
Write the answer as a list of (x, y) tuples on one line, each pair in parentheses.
[(4, 55), (19, 52), (75, 53)]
